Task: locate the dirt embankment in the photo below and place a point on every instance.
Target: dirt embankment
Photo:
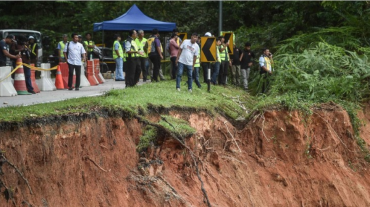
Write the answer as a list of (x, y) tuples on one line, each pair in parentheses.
[(277, 159)]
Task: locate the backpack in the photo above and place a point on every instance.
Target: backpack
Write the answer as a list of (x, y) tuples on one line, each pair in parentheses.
[(150, 45)]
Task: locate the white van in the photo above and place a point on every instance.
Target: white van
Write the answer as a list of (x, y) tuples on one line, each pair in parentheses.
[(25, 33)]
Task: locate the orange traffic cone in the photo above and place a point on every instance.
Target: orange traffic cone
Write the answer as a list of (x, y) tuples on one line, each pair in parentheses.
[(33, 80), (19, 79), (59, 80)]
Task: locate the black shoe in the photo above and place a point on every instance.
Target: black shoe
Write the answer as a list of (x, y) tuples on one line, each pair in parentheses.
[(70, 88), (77, 89), (33, 92)]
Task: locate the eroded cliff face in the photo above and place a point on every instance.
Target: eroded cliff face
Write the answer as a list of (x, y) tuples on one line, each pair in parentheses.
[(278, 158)]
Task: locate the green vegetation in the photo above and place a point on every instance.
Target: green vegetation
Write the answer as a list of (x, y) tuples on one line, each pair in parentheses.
[(149, 135), (178, 126), (146, 97)]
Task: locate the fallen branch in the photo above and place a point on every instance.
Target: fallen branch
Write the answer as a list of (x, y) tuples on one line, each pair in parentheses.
[(18, 171), (95, 164)]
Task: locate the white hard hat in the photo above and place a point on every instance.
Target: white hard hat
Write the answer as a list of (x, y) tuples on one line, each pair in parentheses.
[(31, 37), (208, 34)]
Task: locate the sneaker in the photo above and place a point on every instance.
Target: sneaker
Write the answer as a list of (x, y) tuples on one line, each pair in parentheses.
[(178, 89), (33, 92), (70, 88), (77, 89), (190, 91)]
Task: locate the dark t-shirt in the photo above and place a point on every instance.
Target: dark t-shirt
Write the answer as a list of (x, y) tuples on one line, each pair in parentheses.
[(247, 58), (3, 46), (235, 57)]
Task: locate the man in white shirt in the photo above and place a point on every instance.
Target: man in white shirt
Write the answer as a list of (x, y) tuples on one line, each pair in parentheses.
[(73, 53), (186, 57)]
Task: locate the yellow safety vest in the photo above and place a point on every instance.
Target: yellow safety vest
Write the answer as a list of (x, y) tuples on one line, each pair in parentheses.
[(62, 46), (218, 54), (197, 62), (120, 51), (267, 63), (134, 47), (89, 43), (141, 46), (33, 48), (224, 54)]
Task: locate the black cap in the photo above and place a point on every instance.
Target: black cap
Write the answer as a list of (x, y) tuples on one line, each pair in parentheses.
[(10, 37), (247, 44)]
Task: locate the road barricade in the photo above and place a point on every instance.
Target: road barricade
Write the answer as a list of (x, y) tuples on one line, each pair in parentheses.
[(46, 84), (97, 71), (83, 80), (19, 79), (90, 73), (33, 80), (6, 86)]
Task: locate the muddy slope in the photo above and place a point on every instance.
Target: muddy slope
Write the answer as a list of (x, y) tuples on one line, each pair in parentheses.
[(277, 159)]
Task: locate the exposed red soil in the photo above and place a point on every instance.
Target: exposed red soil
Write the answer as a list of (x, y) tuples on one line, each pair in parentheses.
[(285, 159)]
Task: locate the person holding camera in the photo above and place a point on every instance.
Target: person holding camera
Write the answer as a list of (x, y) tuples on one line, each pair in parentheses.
[(265, 62), (25, 54)]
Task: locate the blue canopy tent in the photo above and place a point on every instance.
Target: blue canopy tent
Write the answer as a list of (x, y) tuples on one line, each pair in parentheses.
[(134, 19)]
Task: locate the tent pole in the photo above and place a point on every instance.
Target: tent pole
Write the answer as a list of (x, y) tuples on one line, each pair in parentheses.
[(103, 38)]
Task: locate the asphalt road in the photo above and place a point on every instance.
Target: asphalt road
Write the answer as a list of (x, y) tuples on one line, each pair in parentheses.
[(58, 95)]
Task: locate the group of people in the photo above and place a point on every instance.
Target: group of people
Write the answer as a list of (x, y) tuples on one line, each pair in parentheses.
[(25, 48), (137, 54)]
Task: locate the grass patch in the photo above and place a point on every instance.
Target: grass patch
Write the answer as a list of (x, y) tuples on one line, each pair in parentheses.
[(161, 94), (179, 126), (149, 135)]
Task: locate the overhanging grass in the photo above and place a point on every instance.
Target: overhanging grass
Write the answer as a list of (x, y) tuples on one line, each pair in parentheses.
[(130, 99)]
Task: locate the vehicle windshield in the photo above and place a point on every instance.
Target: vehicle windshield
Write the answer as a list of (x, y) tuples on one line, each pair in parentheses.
[(36, 35)]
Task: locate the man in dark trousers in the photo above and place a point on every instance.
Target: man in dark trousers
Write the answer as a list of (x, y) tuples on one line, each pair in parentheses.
[(153, 48), (4, 50), (73, 52), (235, 68), (132, 66), (225, 61), (26, 58), (246, 61)]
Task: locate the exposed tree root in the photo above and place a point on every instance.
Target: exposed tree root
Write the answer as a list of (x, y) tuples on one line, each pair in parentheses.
[(96, 164)]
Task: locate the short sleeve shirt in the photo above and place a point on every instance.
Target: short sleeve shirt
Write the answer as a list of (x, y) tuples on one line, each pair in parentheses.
[(3, 46), (75, 52), (189, 50)]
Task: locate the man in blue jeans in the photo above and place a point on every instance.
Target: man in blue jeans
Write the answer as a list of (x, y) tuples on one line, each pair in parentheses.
[(186, 57), (118, 57)]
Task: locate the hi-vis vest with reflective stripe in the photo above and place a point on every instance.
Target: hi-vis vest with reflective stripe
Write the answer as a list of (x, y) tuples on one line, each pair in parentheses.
[(33, 52), (134, 47), (62, 46), (224, 54), (89, 43), (267, 63), (141, 45), (218, 54), (197, 62), (120, 51)]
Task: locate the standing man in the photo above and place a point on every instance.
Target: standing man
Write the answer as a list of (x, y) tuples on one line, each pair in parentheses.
[(89, 46), (235, 68), (246, 62), (26, 58), (61, 46), (225, 61), (265, 62), (174, 50), (140, 42), (155, 52), (216, 66), (4, 50), (186, 57), (34, 49), (73, 53), (118, 56), (133, 68)]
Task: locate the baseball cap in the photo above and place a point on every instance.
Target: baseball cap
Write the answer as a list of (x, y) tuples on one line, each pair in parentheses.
[(208, 34), (10, 37), (31, 37)]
